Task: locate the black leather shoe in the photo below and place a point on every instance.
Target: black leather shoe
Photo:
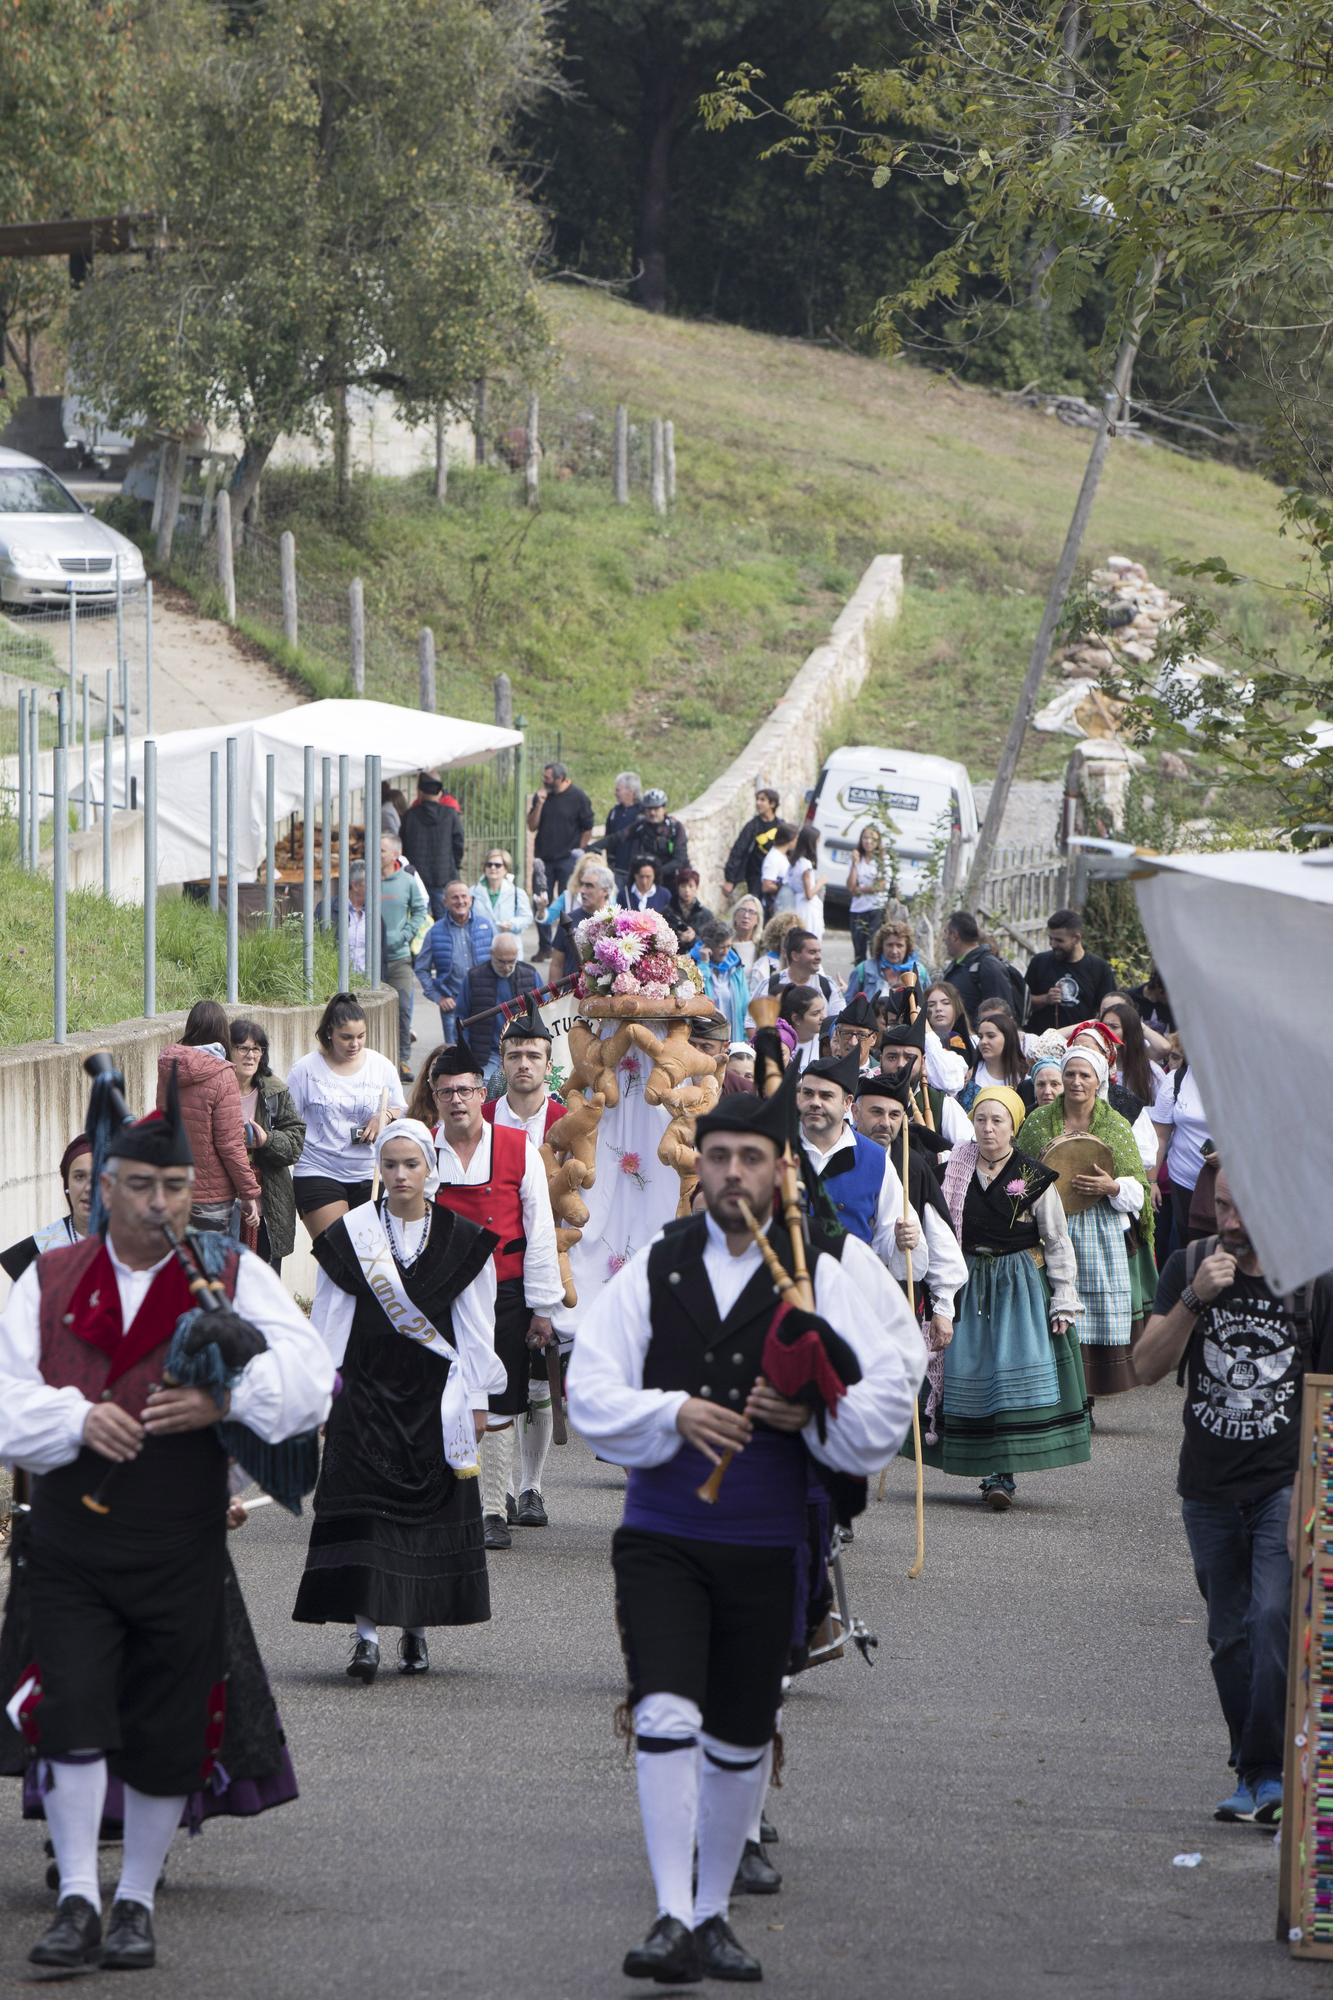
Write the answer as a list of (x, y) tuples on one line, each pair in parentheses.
[(668, 1954), (75, 1938), (531, 1513), (768, 1833), (495, 1532), (511, 1510), (413, 1657), (129, 1940), (365, 1661), (721, 1953), (756, 1875)]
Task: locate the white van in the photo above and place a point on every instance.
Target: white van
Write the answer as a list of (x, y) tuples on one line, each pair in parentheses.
[(925, 800)]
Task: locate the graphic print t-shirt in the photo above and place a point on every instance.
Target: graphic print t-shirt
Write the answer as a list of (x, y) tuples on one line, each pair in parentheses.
[(1244, 1367)]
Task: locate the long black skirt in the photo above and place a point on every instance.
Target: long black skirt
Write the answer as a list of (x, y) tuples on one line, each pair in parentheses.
[(398, 1572)]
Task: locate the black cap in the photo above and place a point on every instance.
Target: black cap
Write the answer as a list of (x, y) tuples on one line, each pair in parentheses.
[(858, 1013), (456, 1061), (899, 1091), (842, 1070), (765, 1116), (527, 1026), (159, 1140)]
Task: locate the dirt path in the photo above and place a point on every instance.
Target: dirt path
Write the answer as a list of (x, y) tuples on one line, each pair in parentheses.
[(202, 673)]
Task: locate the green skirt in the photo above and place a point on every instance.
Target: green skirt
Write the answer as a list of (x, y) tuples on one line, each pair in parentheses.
[(1003, 1320)]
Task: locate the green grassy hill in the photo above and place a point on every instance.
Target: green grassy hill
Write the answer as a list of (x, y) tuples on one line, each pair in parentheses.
[(662, 644)]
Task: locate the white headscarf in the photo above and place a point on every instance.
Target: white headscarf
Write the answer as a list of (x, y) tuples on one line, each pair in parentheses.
[(1093, 1057), (413, 1129)]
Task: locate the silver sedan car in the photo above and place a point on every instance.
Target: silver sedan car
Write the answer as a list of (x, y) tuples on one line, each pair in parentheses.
[(51, 547)]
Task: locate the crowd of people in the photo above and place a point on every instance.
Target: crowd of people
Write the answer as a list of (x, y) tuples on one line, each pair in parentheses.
[(960, 1200)]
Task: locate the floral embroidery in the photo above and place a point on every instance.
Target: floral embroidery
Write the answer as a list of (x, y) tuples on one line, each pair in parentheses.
[(632, 1167)]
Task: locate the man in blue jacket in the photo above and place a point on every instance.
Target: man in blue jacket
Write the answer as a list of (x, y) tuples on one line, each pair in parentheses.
[(460, 940), (502, 977)]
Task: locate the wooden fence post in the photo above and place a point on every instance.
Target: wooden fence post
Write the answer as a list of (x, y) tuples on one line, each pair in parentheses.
[(504, 719), (669, 446), (426, 669), (356, 619), (226, 564), (532, 453), (620, 460), (658, 473), (287, 560)]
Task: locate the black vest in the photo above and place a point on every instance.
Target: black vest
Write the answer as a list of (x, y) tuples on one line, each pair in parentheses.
[(691, 1348)]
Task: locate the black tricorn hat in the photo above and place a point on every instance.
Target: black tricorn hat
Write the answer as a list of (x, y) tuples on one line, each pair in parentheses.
[(842, 1070), (159, 1140), (907, 1034), (527, 1026), (766, 1117), (859, 1014), (899, 1091), (456, 1061)]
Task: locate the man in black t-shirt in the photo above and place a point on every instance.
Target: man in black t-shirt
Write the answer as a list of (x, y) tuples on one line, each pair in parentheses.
[(1067, 983), (560, 815), (1243, 1352)]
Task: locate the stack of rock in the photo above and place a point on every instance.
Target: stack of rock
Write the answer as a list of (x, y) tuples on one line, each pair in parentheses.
[(1134, 611)]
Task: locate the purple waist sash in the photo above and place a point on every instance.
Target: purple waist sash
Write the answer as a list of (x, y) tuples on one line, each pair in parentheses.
[(762, 1501)]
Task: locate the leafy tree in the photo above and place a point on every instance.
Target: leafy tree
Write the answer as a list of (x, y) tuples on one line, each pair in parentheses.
[(72, 91), (343, 210)]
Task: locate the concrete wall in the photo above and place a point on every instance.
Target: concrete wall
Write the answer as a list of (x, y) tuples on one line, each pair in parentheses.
[(784, 752), (85, 858), (44, 1100)]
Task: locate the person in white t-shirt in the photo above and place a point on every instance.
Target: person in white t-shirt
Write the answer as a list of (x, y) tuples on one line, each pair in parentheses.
[(339, 1089), (1182, 1128)]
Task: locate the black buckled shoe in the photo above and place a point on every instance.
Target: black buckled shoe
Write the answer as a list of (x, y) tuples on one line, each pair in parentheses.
[(495, 1532), (75, 1937), (668, 1954), (365, 1661), (531, 1513), (722, 1955), (413, 1657), (130, 1945), (511, 1510), (756, 1875)]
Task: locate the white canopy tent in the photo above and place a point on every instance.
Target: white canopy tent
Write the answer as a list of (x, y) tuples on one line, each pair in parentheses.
[(404, 739), (1244, 942)]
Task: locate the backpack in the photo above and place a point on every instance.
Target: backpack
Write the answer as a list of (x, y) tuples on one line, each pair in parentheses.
[(1298, 1305), (1018, 988)]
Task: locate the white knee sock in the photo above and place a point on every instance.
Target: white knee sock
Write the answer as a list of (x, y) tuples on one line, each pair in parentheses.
[(74, 1817), (150, 1826), (366, 1628), (732, 1783), (759, 1803), (534, 1442), (497, 1455), (667, 1763)]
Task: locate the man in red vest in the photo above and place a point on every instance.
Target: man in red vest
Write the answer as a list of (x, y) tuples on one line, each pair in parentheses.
[(493, 1174), (126, 1601)]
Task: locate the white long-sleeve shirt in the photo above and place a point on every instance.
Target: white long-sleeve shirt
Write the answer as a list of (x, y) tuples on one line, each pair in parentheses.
[(889, 1208), (472, 1315), (286, 1389), (542, 1288), (944, 1261), (634, 1426), (945, 1068)]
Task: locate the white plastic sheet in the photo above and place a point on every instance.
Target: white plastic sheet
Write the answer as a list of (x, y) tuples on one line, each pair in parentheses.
[(1244, 942), (404, 739)]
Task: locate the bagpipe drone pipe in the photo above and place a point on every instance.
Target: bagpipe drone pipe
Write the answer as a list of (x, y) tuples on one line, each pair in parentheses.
[(212, 1344)]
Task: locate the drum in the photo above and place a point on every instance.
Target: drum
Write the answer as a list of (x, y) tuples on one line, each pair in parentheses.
[(1077, 1153)]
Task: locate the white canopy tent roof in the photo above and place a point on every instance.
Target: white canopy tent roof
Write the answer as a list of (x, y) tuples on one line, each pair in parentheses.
[(404, 739), (1244, 942)]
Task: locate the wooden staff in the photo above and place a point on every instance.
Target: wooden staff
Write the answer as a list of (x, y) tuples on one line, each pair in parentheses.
[(794, 1285), (919, 1561), (379, 1123)]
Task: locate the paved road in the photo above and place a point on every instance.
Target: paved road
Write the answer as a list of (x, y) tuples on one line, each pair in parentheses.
[(992, 1809)]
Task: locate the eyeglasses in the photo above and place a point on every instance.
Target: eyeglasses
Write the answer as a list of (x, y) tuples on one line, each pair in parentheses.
[(455, 1089), (495, 864)]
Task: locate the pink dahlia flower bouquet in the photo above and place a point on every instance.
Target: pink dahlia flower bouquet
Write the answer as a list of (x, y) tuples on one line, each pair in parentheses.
[(633, 951)]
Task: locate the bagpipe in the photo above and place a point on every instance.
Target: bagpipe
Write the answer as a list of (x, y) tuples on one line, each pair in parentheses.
[(212, 1344)]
